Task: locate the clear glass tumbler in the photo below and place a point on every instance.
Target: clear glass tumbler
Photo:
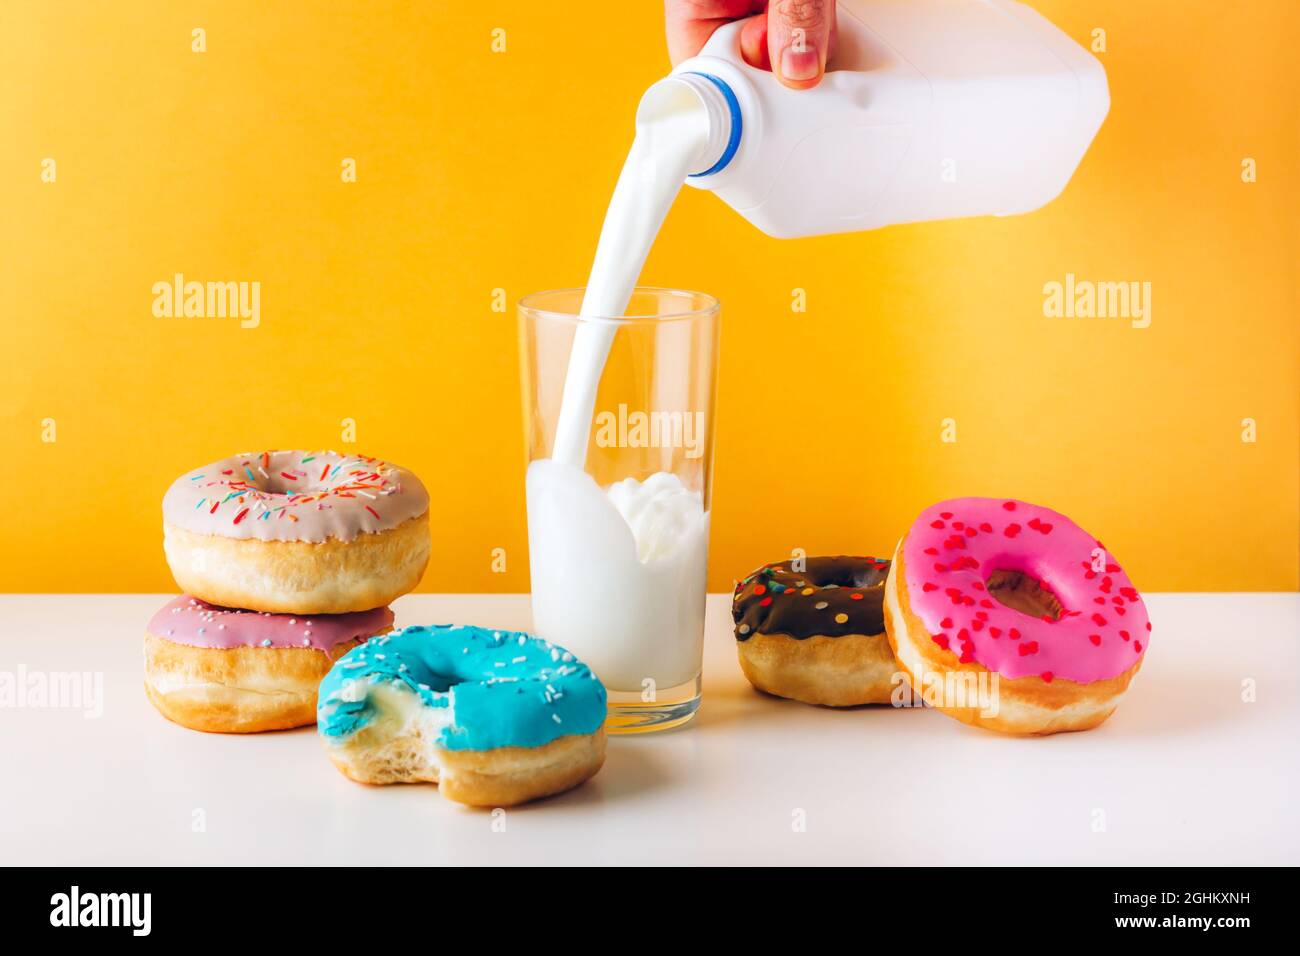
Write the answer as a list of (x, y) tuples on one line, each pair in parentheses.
[(618, 415)]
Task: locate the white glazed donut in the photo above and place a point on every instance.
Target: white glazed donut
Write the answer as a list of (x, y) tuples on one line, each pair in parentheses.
[(297, 532)]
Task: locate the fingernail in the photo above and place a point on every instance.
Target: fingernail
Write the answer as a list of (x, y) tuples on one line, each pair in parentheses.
[(800, 65)]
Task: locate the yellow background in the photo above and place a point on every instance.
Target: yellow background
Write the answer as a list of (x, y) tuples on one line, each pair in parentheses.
[(481, 170)]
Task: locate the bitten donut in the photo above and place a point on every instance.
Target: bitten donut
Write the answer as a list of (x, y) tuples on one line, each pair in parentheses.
[(238, 672), (818, 635), (495, 718), (297, 532), (1009, 616)]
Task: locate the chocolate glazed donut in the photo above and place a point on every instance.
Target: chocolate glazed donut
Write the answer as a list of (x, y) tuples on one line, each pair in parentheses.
[(816, 635)]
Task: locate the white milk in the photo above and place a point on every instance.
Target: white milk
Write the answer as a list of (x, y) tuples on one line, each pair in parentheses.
[(619, 573), (673, 135)]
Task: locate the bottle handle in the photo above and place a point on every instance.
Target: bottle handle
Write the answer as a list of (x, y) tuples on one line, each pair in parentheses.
[(725, 43)]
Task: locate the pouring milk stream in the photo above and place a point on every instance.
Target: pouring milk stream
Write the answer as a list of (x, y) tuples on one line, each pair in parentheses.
[(930, 109)]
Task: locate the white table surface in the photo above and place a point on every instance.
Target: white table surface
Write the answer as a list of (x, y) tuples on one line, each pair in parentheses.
[(1184, 772)]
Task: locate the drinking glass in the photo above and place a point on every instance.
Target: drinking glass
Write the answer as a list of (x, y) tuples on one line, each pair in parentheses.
[(618, 511)]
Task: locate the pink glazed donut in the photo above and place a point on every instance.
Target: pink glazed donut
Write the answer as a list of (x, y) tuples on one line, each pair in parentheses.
[(1009, 616), (231, 671)]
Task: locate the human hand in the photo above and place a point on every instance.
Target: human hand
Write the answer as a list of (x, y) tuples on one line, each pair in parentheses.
[(792, 38)]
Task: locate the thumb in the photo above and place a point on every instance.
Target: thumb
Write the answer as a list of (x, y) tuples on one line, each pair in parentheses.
[(799, 34)]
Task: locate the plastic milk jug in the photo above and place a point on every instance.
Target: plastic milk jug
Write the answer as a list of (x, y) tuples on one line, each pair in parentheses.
[(930, 109)]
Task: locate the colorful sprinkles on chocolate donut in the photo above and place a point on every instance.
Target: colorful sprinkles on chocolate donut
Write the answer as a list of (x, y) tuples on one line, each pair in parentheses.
[(812, 629), (832, 595)]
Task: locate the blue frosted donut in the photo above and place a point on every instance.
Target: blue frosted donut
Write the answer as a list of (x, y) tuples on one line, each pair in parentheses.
[(495, 717)]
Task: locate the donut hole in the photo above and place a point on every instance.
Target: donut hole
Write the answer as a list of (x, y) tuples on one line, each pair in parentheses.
[(274, 483), (1024, 593), (441, 683), (288, 480), (843, 575)]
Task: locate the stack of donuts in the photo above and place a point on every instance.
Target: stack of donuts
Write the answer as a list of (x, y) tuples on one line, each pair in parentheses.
[(287, 561), (1002, 614)]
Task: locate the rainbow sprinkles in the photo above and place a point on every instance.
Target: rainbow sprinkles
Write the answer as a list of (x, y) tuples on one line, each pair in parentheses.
[(294, 495)]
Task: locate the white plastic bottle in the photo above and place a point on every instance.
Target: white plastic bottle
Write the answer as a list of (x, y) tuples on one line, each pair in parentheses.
[(930, 109)]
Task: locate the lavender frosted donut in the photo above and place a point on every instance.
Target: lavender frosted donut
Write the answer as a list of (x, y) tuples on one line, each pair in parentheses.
[(297, 532), (234, 671)]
